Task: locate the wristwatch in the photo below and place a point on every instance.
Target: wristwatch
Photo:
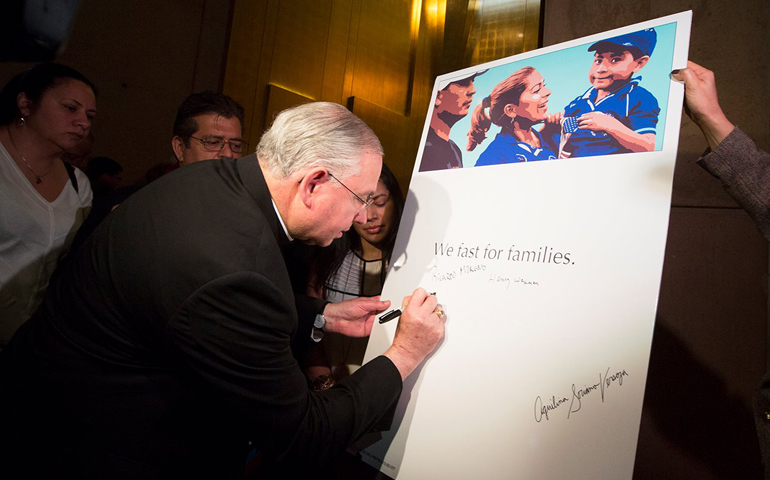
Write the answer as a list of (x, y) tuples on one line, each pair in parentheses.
[(318, 327)]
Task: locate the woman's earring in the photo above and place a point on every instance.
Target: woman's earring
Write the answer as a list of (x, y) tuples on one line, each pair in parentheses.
[(21, 122)]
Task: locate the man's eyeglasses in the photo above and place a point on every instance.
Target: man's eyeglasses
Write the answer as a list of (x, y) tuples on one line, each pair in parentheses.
[(217, 144), (364, 203)]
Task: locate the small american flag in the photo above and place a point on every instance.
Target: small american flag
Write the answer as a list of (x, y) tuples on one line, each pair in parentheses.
[(569, 125)]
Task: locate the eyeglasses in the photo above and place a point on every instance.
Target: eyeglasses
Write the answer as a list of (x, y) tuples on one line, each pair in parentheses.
[(217, 144), (364, 203)]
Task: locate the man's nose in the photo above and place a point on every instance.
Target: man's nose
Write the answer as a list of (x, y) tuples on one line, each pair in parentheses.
[(360, 216), (226, 151)]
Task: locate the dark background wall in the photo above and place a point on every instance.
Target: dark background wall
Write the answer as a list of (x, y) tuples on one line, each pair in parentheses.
[(145, 56)]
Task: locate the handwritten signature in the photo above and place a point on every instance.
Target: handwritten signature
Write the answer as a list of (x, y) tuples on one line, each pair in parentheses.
[(438, 276), (495, 278), (543, 410)]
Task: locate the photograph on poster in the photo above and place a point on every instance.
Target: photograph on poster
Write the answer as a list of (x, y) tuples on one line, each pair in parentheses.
[(536, 109)]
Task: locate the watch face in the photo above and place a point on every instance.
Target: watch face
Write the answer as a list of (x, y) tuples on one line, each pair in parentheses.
[(320, 321)]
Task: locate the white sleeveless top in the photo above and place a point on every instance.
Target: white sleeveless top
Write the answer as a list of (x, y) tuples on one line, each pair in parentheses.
[(34, 235)]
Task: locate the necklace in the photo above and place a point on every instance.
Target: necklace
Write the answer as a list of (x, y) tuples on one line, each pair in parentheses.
[(38, 178)]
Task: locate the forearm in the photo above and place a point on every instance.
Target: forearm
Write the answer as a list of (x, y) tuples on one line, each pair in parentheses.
[(406, 362), (635, 142), (715, 127)]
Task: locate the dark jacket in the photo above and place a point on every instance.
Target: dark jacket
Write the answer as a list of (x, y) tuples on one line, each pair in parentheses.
[(164, 346)]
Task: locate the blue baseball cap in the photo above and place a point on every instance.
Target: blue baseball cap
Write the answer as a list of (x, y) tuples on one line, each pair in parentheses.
[(644, 40)]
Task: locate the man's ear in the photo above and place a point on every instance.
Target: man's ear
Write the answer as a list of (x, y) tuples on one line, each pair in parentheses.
[(641, 62), (177, 144), (309, 186), (438, 99), (24, 104)]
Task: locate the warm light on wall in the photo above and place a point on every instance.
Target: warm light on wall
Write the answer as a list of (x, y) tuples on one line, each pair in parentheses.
[(501, 28), (430, 12)]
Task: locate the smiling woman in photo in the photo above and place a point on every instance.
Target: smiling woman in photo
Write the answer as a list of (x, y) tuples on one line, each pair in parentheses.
[(516, 105), (44, 112)]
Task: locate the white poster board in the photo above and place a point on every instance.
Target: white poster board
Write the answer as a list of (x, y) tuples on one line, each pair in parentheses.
[(548, 272)]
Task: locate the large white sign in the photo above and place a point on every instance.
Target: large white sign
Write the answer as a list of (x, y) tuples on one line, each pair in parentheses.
[(545, 246)]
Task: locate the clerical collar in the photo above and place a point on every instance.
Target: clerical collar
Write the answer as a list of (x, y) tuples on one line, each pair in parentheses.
[(283, 225)]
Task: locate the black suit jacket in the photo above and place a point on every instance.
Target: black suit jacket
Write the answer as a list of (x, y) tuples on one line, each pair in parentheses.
[(166, 344)]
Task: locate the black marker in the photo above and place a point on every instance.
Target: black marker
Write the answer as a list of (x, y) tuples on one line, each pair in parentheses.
[(394, 314), (390, 315)]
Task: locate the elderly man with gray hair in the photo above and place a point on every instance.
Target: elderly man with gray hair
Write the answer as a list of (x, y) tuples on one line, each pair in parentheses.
[(166, 343)]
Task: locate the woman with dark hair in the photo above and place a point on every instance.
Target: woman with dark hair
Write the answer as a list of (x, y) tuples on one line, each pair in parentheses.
[(516, 105), (44, 112), (354, 266)]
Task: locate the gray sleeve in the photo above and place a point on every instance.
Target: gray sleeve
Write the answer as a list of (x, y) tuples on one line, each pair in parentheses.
[(744, 171)]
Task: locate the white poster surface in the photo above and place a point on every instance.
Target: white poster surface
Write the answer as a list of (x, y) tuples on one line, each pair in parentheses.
[(546, 253)]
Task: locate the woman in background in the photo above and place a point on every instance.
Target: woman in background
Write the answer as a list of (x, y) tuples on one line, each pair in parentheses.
[(354, 266), (44, 112), (516, 105)]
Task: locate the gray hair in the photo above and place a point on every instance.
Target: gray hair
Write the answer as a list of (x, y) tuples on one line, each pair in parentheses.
[(316, 134)]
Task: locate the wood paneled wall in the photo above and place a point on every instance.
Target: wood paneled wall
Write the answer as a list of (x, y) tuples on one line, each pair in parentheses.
[(378, 58), (145, 57)]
